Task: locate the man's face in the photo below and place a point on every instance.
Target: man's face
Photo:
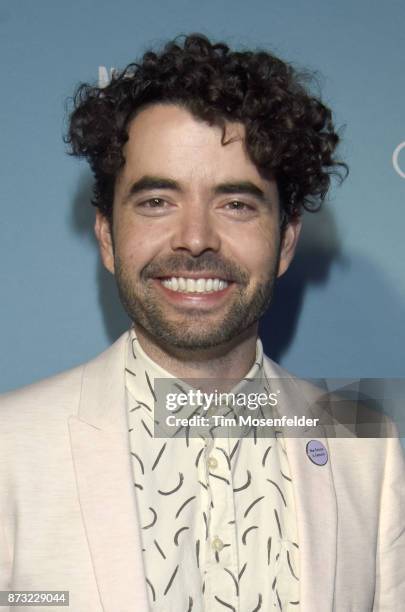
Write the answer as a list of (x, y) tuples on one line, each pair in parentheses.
[(196, 231)]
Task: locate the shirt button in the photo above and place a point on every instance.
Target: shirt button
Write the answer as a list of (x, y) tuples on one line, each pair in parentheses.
[(217, 544), (212, 463)]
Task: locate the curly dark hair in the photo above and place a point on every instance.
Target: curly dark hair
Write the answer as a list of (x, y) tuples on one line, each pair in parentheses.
[(289, 132)]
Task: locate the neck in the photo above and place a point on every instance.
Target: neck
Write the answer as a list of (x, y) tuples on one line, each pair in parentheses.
[(231, 360)]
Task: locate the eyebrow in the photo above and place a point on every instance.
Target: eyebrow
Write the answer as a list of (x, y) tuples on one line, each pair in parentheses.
[(152, 182), (245, 187), (156, 182)]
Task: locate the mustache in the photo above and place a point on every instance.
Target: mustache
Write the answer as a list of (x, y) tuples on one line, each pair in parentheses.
[(206, 263)]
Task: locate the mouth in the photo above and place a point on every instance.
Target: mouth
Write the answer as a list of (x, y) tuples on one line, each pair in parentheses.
[(195, 284), (195, 290)]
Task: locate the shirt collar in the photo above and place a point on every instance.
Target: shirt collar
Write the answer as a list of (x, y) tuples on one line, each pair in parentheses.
[(144, 377)]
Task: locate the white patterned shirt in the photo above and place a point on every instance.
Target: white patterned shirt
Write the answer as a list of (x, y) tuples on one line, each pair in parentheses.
[(218, 526)]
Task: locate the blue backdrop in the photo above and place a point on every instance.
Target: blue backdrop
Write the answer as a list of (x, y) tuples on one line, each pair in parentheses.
[(339, 311)]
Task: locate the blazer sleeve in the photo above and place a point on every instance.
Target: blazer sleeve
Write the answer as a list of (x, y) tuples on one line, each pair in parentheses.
[(390, 566), (5, 564)]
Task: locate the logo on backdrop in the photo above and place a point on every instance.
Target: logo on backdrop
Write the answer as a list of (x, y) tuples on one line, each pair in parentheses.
[(395, 159), (104, 76)]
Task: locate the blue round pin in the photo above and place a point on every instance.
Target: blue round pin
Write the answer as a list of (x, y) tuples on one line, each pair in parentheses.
[(317, 452)]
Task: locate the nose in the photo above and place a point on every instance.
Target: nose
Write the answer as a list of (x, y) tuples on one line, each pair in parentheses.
[(195, 230)]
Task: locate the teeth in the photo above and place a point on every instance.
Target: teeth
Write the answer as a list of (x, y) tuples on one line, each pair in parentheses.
[(192, 285), (200, 285)]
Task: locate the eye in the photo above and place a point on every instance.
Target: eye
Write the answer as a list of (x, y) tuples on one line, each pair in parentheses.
[(238, 206), (153, 203), (153, 207)]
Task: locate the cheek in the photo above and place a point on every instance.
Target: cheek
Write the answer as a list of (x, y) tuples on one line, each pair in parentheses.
[(136, 246), (257, 252)]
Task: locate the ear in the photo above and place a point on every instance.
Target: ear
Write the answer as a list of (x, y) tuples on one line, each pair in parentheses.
[(289, 243), (103, 229)]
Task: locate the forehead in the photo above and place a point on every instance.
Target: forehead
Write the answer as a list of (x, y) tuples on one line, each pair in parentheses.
[(170, 141)]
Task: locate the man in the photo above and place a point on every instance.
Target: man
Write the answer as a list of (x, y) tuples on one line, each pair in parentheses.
[(203, 161)]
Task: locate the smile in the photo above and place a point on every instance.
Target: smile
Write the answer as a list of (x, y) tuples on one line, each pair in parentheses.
[(194, 285)]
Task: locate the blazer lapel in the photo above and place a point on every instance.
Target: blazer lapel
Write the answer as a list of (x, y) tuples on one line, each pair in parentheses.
[(101, 456), (314, 497), (316, 510)]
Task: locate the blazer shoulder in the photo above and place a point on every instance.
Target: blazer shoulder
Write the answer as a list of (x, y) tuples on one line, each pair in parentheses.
[(55, 397), (59, 392), (342, 414)]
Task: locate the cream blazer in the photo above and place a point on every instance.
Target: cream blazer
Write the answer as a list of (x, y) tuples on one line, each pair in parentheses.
[(68, 516)]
